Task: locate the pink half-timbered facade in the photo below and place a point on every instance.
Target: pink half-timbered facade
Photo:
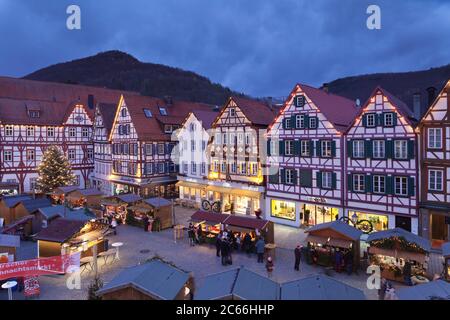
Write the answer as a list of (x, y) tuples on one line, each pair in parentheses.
[(382, 165), (305, 146), (434, 131)]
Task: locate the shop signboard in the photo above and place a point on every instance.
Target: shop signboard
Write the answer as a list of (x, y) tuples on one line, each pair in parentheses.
[(41, 266)]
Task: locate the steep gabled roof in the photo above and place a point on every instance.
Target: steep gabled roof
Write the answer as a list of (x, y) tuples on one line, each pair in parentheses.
[(430, 108), (107, 112)]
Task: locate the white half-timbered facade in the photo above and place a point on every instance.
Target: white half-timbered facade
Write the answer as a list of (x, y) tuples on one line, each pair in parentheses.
[(305, 146), (382, 165), (193, 157), (434, 130)]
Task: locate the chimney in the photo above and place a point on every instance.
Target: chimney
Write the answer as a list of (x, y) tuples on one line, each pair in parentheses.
[(325, 87), (417, 108), (168, 100), (431, 95), (90, 101), (358, 103)]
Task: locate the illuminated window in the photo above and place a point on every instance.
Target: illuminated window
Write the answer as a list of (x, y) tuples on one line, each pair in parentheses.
[(30, 131), (163, 111), (9, 131), (283, 209)]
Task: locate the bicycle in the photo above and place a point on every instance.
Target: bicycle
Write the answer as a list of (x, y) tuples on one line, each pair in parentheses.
[(363, 224)]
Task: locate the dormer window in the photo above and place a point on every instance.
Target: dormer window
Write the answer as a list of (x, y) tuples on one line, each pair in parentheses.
[(163, 111), (123, 112), (34, 114), (148, 113), (299, 101), (168, 128)]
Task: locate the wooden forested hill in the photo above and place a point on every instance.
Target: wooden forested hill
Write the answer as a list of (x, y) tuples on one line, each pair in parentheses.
[(402, 85), (119, 70)]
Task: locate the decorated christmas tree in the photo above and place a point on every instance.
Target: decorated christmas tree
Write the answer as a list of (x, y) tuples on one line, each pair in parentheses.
[(54, 171)]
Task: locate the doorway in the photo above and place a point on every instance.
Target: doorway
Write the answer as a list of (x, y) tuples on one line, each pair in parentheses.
[(439, 227)]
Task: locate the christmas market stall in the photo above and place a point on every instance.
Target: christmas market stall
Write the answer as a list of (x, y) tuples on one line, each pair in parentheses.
[(59, 195), (152, 280), (85, 198), (8, 247), (446, 255), (391, 249), (210, 222), (64, 236), (8, 208), (333, 244), (157, 210), (9, 188), (241, 225), (116, 206)]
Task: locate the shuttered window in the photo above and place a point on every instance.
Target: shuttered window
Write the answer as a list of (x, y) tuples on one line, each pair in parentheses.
[(299, 101), (357, 149), (379, 184), (401, 186), (379, 149), (359, 183), (401, 149)]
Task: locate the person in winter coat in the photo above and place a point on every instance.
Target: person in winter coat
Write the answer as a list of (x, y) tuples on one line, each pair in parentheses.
[(298, 256), (191, 234), (114, 225), (349, 262), (260, 247), (247, 243), (269, 267), (407, 273), (218, 244), (146, 223), (224, 250), (199, 234), (338, 260)]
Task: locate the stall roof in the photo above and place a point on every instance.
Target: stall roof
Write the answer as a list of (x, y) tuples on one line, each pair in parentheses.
[(155, 278), (52, 211), (8, 240), (434, 290), (249, 223), (11, 201), (34, 204), (211, 217), (319, 287), (60, 230), (241, 283), (158, 202), (90, 192), (446, 249), (399, 232), (66, 189), (340, 227), (129, 197)]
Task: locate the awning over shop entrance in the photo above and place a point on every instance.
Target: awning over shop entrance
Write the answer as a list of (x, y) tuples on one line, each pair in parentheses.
[(239, 192), (210, 218)]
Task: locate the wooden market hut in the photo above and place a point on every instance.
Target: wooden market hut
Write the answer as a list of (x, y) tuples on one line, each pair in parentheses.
[(434, 290), (319, 287), (85, 197), (391, 248), (251, 225), (446, 255), (8, 208), (59, 194), (237, 284), (117, 205), (156, 208), (8, 245), (334, 235), (153, 280), (66, 236)]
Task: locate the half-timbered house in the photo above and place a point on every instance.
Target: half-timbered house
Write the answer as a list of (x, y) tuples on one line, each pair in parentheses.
[(141, 139), (193, 137), (306, 160), (236, 177), (382, 164), (34, 115), (434, 131)]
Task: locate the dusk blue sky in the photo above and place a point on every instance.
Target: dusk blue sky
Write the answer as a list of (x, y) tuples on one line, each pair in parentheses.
[(260, 47)]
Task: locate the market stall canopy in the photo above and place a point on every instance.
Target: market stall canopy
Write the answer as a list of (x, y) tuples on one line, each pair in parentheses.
[(340, 227), (399, 232), (209, 217), (446, 249), (12, 201), (401, 254), (238, 283), (60, 230), (31, 205), (129, 197), (248, 223), (158, 202), (65, 190), (8, 240), (334, 242), (319, 287), (51, 212), (89, 192), (155, 278), (434, 290)]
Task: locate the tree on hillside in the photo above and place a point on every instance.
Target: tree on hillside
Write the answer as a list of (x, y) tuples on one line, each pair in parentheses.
[(54, 171)]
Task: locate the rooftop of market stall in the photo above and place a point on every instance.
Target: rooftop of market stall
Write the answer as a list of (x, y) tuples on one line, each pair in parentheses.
[(157, 208), (8, 245), (446, 250), (319, 287), (237, 284), (153, 280), (81, 197), (434, 290), (59, 194)]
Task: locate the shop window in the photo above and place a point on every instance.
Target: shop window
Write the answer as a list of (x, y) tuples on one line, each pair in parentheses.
[(379, 222), (314, 214), (435, 180), (283, 209)]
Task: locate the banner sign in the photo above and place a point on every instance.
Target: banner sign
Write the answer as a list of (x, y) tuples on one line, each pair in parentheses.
[(31, 286), (39, 267)]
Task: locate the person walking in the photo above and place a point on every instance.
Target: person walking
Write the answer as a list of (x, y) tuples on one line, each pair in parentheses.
[(146, 223), (247, 243), (199, 234), (218, 244), (224, 250), (114, 225), (407, 273), (298, 256), (260, 247), (269, 266), (191, 234), (348, 258)]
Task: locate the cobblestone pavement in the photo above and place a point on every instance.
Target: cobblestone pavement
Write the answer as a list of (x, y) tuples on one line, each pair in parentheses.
[(201, 260)]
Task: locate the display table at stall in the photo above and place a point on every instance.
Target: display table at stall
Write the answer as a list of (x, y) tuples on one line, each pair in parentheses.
[(392, 249)]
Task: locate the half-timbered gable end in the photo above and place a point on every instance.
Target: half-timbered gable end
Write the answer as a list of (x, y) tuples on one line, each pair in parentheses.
[(382, 171), (434, 131), (236, 153), (305, 157)]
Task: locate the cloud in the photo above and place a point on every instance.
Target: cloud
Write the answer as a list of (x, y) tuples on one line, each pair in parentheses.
[(261, 47)]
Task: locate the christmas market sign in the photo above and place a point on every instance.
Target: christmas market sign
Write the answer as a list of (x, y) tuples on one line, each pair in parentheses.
[(39, 267)]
